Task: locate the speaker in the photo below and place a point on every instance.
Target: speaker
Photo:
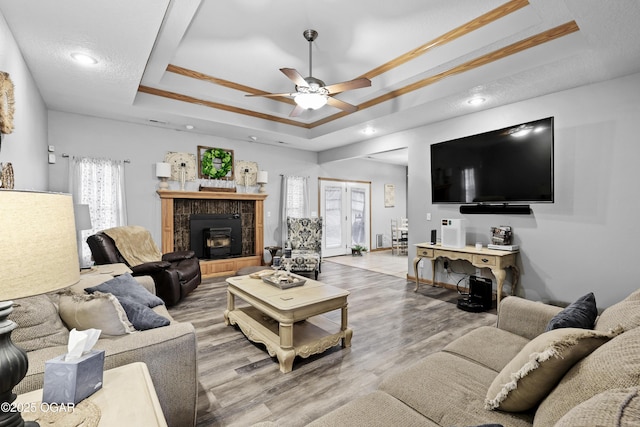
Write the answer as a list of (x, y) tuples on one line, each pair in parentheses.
[(453, 233), (479, 298), (433, 237), (496, 209)]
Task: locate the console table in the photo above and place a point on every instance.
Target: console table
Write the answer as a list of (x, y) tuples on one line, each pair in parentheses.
[(497, 261)]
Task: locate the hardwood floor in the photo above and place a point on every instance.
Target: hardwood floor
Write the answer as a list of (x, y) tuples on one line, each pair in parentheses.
[(393, 326)]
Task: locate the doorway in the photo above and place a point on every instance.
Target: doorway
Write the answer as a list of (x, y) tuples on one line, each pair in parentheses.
[(345, 207)]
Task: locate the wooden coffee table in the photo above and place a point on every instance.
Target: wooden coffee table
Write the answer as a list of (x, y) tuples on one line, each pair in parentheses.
[(288, 322)]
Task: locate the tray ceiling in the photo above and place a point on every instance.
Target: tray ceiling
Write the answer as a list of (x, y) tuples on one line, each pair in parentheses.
[(190, 62)]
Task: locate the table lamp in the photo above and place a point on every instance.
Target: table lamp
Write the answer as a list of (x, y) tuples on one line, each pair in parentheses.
[(83, 222), (262, 179), (39, 255), (163, 171)]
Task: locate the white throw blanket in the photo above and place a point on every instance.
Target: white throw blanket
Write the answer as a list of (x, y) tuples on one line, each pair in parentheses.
[(135, 244)]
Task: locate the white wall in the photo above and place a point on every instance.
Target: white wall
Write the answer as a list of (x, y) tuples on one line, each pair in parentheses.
[(26, 147), (586, 240), (79, 135)]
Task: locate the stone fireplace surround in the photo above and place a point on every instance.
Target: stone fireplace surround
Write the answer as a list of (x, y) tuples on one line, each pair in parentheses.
[(177, 206)]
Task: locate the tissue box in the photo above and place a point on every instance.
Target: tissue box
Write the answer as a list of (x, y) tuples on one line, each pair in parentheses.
[(71, 381)]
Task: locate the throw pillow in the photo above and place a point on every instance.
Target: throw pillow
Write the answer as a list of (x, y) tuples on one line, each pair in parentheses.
[(126, 286), (616, 407), (39, 324), (141, 316), (626, 313), (616, 364), (539, 366), (580, 314), (97, 310), (135, 300)]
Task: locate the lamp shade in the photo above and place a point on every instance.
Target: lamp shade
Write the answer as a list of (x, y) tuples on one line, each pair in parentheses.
[(83, 217), (310, 101), (163, 170), (37, 243), (263, 177)]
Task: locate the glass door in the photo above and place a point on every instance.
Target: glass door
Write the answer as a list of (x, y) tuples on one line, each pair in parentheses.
[(346, 214)]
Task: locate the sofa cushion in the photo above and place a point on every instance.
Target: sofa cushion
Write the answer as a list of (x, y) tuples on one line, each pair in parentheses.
[(489, 346), (97, 310), (449, 390), (615, 364), (617, 407), (538, 367), (580, 314), (367, 411), (38, 323), (626, 313)]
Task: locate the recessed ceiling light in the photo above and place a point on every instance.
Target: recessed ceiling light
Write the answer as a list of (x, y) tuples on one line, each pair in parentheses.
[(368, 130), (476, 100), (84, 59)]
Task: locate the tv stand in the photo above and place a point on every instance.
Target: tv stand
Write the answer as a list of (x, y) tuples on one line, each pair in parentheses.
[(505, 208)]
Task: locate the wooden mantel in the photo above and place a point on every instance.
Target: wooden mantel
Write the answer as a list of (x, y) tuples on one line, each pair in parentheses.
[(221, 267)]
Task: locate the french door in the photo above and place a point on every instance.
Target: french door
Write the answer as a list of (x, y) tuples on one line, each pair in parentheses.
[(346, 214)]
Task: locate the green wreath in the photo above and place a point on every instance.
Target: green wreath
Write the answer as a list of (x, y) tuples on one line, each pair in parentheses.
[(208, 166)]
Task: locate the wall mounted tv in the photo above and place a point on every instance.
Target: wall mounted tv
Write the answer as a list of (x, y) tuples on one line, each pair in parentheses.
[(496, 171)]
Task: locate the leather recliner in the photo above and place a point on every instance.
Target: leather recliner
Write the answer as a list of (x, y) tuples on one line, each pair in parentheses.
[(175, 276)]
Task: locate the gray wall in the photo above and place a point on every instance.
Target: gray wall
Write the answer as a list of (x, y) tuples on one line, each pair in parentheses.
[(586, 240), (79, 135), (583, 242), (26, 147)]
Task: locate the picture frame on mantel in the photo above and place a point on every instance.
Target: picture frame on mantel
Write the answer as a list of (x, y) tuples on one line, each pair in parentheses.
[(215, 163)]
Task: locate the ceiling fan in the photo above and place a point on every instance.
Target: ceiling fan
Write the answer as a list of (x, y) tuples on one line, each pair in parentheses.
[(312, 93)]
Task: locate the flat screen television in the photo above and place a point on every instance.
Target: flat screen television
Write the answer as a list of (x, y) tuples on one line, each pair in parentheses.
[(506, 166)]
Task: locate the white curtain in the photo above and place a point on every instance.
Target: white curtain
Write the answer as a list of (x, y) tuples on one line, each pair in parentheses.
[(98, 183), (294, 200)]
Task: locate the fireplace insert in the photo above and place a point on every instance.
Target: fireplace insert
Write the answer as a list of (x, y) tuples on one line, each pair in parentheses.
[(215, 236)]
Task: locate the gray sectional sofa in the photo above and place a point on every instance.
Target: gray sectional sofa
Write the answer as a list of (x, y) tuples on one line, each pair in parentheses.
[(516, 374), (170, 352)]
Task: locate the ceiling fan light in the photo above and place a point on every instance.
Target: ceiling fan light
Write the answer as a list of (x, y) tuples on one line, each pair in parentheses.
[(310, 101)]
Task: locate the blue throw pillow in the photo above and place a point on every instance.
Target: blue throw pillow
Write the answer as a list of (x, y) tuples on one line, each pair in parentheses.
[(126, 286), (135, 299), (580, 314), (141, 316)]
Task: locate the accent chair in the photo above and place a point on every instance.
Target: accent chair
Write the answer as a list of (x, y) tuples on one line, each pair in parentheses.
[(305, 237)]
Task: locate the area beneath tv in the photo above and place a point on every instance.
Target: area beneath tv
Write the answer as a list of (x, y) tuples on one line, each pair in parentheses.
[(504, 208)]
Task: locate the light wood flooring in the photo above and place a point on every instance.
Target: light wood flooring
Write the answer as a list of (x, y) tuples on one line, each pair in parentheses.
[(380, 261), (393, 326)]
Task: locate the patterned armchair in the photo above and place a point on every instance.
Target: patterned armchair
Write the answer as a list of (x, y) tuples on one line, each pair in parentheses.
[(305, 237)]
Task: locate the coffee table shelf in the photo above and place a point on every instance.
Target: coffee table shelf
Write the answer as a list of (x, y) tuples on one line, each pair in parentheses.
[(288, 322)]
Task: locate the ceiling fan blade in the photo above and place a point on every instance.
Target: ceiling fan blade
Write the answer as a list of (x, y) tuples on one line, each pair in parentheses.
[(296, 111), (271, 95), (294, 76), (351, 84), (341, 105)]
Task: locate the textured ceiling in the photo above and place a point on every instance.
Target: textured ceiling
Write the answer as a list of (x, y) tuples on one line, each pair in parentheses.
[(191, 62)]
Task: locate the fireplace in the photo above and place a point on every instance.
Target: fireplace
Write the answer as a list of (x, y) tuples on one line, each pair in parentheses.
[(217, 242), (215, 236)]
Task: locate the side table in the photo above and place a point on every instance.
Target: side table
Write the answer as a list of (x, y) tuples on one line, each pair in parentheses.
[(127, 397)]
